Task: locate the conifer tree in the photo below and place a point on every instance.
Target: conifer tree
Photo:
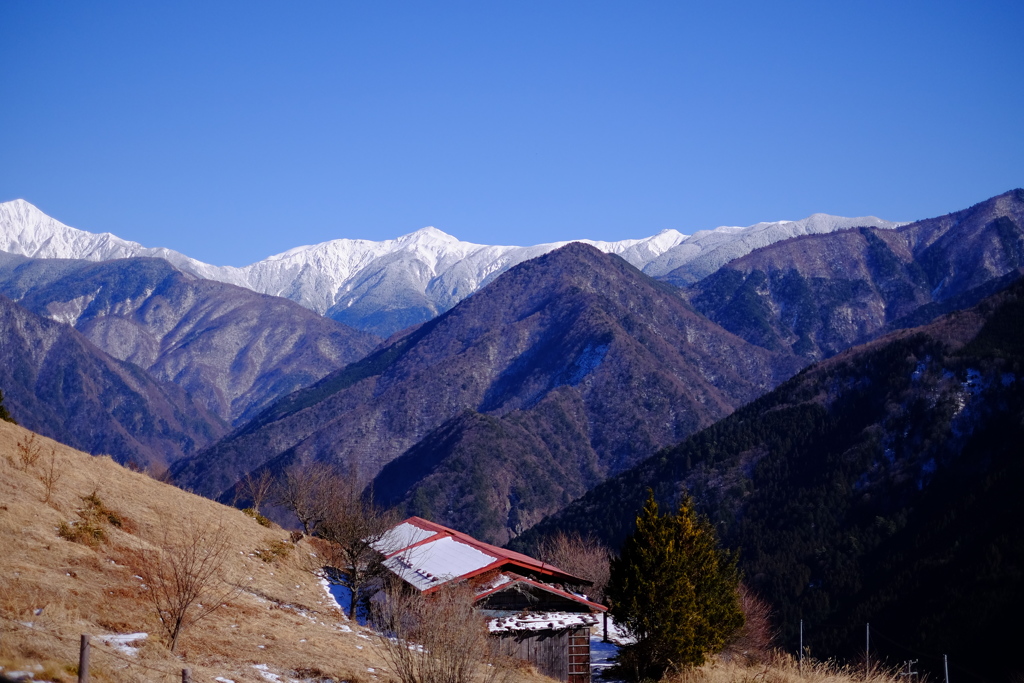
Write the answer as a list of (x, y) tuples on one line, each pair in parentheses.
[(674, 590), (4, 413)]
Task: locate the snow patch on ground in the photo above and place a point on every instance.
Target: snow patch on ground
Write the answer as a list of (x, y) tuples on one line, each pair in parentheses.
[(124, 642)]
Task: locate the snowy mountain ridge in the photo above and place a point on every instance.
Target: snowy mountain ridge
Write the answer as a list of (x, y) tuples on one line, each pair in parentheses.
[(385, 286)]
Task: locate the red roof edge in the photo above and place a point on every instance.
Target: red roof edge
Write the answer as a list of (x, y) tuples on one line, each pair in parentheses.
[(543, 586), (524, 561)]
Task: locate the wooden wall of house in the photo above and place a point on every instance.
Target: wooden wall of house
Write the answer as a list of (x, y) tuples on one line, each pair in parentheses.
[(563, 655)]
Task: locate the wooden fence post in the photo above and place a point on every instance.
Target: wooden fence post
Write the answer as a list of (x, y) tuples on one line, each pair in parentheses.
[(186, 676), (83, 660)]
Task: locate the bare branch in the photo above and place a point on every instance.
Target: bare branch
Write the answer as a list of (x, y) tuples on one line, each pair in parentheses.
[(349, 529), (437, 638), (582, 557), (184, 577), (304, 490), (256, 487), (50, 475)]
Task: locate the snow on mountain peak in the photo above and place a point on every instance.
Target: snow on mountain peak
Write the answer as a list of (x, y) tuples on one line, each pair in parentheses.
[(386, 285)]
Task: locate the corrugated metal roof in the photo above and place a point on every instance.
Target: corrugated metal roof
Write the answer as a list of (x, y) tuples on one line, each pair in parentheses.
[(461, 557), (400, 537), (431, 564)]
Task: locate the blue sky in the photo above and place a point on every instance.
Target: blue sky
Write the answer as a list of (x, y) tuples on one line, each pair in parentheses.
[(234, 130)]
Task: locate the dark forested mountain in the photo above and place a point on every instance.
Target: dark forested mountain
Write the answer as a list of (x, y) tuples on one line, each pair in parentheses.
[(819, 294), (882, 486), (565, 369), (57, 383), (235, 351)]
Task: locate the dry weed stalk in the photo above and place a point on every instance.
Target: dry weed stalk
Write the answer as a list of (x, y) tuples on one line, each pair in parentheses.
[(29, 452), (436, 638), (50, 475), (184, 578), (778, 668)]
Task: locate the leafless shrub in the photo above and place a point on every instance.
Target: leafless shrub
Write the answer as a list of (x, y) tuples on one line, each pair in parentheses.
[(184, 578), (256, 488), (50, 475), (586, 558), (304, 490), (350, 526), (436, 638), (754, 641), (28, 451)]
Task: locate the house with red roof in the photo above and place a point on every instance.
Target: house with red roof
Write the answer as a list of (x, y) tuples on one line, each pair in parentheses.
[(526, 600)]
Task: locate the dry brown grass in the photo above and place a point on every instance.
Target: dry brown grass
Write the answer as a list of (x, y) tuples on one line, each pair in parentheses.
[(53, 589), (780, 668)]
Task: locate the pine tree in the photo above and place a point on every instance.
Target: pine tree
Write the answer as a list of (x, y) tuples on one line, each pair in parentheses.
[(674, 590), (4, 413)]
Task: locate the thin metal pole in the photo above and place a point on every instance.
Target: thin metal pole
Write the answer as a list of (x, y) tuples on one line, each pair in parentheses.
[(945, 664), (801, 647), (83, 660), (867, 654)]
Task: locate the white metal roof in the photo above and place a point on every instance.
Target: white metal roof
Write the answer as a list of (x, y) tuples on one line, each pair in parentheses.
[(435, 562), (401, 536)]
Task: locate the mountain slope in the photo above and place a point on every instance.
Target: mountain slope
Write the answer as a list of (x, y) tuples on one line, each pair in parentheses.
[(879, 486), (59, 384), (386, 286), (706, 251), (280, 623), (233, 350), (582, 363), (819, 294)]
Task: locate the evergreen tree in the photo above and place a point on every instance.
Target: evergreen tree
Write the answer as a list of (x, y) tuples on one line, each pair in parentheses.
[(674, 590), (4, 413)]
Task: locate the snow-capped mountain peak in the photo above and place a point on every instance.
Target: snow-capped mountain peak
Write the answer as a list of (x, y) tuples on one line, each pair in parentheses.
[(387, 285)]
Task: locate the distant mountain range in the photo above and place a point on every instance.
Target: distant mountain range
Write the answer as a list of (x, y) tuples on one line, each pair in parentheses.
[(235, 351), (819, 294), (383, 287), (565, 369)]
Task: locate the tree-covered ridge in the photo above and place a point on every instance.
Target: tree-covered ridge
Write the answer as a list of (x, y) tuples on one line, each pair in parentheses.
[(882, 485), (817, 295)]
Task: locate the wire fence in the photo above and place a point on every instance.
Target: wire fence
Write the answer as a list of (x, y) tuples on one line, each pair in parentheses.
[(99, 646)]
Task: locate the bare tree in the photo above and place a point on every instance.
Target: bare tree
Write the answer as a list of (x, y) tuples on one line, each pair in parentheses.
[(586, 558), (436, 638), (257, 487), (304, 491), (184, 578), (351, 527)]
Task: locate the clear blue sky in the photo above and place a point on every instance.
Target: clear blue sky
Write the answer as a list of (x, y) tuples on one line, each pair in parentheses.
[(234, 130)]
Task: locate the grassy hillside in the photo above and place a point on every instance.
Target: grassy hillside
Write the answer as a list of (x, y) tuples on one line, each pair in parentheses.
[(53, 589)]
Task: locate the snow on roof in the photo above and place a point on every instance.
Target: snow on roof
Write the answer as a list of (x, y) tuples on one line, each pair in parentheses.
[(541, 621), (401, 536), (415, 533), (431, 564)]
